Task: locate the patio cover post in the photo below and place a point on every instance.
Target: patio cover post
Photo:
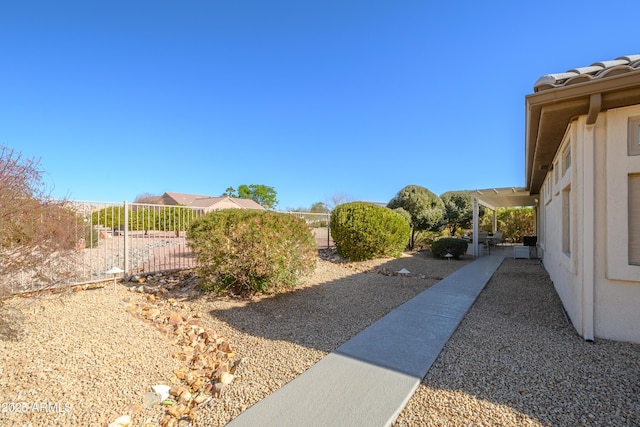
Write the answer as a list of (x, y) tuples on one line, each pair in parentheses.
[(476, 214), (126, 240)]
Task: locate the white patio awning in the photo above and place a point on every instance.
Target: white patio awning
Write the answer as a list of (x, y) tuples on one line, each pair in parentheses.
[(494, 198), (504, 197)]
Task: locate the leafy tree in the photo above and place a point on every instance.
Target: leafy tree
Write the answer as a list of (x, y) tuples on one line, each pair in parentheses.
[(516, 222), (406, 215), (230, 192), (319, 207), (426, 209), (147, 198), (336, 200), (458, 210), (264, 195)]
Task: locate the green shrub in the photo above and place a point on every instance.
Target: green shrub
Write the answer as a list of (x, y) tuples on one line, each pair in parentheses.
[(248, 251), (426, 238), (143, 219), (90, 236), (364, 231), (406, 215), (452, 245), (111, 216)]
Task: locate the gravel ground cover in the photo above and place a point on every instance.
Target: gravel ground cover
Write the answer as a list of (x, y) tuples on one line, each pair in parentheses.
[(516, 360), (84, 359)]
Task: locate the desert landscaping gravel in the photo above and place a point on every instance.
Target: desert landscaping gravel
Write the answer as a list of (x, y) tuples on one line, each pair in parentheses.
[(515, 360), (84, 358)]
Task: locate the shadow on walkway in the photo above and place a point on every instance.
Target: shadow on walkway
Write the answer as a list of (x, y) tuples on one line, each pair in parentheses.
[(326, 315)]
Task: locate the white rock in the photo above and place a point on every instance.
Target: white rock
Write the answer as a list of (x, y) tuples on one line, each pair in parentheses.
[(123, 421), (162, 390)]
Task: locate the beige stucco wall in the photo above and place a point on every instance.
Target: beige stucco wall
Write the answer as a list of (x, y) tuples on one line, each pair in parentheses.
[(563, 266), (599, 289)]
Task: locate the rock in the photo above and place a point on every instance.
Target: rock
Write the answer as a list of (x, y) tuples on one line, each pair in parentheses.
[(162, 390), (201, 399), (132, 408), (177, 390), (235, 366), (153, 312), (181, 373), (185, 397), (168, 421), (123, 421), (151, 399), (226, 378), (175, 318), (177, 411), (191, 378)]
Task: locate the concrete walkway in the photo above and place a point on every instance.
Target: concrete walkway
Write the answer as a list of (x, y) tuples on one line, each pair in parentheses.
[(368, 380)]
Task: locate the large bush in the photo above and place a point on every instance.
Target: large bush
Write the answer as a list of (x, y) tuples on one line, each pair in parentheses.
[(247, 252), (455, 247), (426, 209), (364, 231)]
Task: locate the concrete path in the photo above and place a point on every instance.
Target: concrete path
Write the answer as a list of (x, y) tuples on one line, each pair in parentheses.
[(368, 380)]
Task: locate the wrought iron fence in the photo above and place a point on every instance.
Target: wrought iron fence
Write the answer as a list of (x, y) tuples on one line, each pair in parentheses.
[(319, 224), (125, 239)]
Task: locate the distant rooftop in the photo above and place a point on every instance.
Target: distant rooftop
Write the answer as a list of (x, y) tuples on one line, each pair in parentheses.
[(597, 70)]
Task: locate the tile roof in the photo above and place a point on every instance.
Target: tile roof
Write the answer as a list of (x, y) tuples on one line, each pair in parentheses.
[(199, 201), (598, 70), (194, 200)]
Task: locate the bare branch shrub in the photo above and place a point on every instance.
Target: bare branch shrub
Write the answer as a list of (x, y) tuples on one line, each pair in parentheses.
[(34, 228), (148, 198)]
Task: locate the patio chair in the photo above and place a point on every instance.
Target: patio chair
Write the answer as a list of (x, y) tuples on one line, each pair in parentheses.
[(483, 238), (498, 237)]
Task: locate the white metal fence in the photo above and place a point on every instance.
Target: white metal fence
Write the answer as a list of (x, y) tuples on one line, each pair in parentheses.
[(133, 238)]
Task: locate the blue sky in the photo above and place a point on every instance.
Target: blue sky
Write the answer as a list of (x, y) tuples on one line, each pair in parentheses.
[(314, 98)]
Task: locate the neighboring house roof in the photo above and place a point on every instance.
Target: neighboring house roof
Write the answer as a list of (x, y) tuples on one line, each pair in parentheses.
[(246, 203), (207, 202), (560, 98)]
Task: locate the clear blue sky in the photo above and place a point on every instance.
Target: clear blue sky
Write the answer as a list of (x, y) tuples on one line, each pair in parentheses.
[(314, 98)]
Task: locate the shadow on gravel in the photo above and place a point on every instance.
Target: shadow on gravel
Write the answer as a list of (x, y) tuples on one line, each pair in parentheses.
[(11, 323), (326, 315), (516, 348)]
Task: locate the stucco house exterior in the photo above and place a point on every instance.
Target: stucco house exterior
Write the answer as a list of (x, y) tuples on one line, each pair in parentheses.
[(208, 203), (582, 154)]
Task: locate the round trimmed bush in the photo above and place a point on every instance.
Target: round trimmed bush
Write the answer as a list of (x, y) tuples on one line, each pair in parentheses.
[(452, 245), (363, 231), (249, 251)]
